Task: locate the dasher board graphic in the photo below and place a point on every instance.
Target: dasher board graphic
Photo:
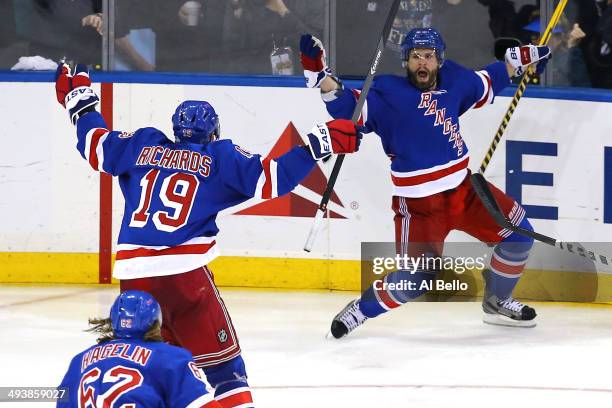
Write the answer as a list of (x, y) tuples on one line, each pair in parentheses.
[(304, 200)]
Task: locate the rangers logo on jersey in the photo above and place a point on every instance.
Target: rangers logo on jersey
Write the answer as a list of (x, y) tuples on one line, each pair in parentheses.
[(431, 108)]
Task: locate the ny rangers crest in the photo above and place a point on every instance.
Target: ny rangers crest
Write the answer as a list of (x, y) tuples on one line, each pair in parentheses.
[(222, 335)]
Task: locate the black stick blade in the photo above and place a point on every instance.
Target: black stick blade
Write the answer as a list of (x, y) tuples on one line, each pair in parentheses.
[(483, 192), (481, 187)]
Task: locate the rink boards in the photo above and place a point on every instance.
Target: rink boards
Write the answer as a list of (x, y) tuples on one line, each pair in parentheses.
[(554, 158)]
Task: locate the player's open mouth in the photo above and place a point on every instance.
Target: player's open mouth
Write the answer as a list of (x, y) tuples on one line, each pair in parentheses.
[(422, 74)]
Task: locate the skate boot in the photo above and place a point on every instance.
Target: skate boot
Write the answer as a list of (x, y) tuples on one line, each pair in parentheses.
[(507, 312), (347, 320)]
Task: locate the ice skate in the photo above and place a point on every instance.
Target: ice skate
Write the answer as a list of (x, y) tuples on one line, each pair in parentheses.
[(507, 312), (347, 320)]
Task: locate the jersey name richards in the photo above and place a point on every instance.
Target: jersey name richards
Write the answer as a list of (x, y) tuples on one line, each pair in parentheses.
[(173, 192)]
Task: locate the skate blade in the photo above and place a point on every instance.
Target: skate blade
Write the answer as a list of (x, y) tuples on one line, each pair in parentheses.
[(501, 320), (329, 336)]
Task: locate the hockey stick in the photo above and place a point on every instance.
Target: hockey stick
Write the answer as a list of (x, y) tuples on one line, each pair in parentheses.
[(490, 203), (478, 181), (521, 88), (318, 219)]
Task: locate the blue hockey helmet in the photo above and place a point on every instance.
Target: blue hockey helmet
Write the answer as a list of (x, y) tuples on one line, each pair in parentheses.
[(424, 38), (196, 122), (133, 313)]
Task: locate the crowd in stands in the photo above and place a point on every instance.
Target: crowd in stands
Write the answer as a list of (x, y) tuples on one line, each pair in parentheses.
[(262, 36)]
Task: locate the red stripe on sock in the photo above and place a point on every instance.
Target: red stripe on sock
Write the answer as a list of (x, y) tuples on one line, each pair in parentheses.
[(498, 265), (236, 399), (387, 300)]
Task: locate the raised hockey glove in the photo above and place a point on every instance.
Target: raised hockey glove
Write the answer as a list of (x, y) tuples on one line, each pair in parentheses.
[(312, 55), (74, 92), (339, 136), (522, 57)]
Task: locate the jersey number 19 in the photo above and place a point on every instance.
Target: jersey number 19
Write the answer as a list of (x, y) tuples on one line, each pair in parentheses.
[(177, 193)]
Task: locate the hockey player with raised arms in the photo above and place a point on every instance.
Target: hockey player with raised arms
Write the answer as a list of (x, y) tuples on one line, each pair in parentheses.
[(131, 365), (173, 187), (417, 119)]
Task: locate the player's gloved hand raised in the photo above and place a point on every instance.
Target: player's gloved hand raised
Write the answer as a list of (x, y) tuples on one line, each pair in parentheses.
[(312, 55), (74, 92), (522, 57), (339, 136)]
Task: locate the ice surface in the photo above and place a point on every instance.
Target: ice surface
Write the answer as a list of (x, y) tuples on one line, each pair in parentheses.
[(421, 355)]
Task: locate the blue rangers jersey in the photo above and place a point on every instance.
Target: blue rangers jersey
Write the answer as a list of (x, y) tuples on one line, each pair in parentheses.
[(420, 130), (173, 192), (136, 373)]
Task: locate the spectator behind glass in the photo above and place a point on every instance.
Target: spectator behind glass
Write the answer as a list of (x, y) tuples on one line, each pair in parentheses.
[(569, 68), (502, 17), (506, 22), (253, 28), (604, 27), (354, 47), (588, 14), (11, 47), (601, 48), (182, 34), (58, 28)]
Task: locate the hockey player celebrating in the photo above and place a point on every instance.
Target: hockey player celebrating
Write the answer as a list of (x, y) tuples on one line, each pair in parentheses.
[(131, 365), (417, 119), (173, 189)]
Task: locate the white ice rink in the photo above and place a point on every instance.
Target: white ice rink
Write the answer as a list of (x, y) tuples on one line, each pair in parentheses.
[(422, 355)]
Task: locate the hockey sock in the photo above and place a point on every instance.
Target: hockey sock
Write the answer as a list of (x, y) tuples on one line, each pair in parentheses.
[(393, 291), (507, 263), (230, 382), (234, 394)]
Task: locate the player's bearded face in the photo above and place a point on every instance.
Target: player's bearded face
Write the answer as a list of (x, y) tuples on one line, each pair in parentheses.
[(422, 68)]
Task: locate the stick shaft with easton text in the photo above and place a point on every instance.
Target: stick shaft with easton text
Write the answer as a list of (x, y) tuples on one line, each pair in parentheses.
[(318, 219)]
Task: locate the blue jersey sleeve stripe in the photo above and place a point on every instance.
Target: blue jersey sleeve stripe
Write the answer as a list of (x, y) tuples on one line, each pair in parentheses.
[(267, 183), (282, 175), (85, 124), (94, 147), (259, 186), (487, 94), (270, 173)]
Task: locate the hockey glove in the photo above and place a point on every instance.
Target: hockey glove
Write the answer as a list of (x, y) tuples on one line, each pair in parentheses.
[(74, 92), (338, 136), (522, 57), (312, 55)]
